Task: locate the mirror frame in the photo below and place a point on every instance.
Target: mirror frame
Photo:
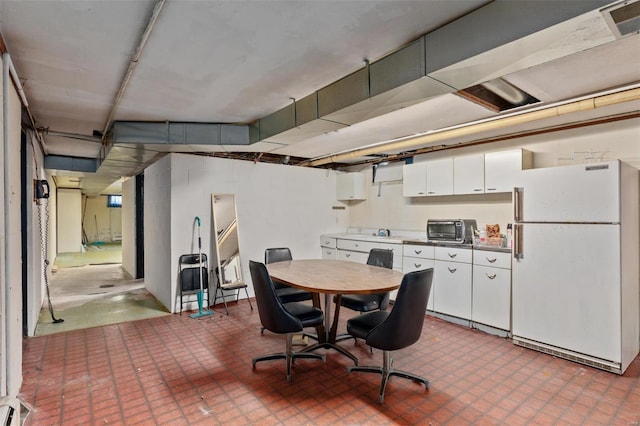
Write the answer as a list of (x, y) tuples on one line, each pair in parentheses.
[(225, 230)]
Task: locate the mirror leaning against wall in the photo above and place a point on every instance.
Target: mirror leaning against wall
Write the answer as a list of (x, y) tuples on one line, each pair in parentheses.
[(227, 249)]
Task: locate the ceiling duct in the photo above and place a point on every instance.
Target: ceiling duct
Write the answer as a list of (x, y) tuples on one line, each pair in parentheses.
[(132, 146), (623, 18), (448, 59)]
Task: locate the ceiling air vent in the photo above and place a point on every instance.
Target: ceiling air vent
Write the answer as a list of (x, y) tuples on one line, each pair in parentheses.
[(497, 95), (623, 18)]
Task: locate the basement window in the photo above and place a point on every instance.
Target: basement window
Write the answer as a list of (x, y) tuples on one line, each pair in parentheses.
[(497, 95), (114, 201)]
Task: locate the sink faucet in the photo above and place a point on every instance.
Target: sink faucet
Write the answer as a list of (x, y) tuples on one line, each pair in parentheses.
[(384, 232)]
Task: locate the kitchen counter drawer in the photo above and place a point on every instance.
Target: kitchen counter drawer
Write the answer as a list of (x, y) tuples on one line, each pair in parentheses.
[(453, 254), (353, 256), (418, 250), (328, 242), (492, 259), (366, 246)]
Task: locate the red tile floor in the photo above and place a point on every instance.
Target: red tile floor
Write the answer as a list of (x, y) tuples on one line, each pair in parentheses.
[(176, 370)]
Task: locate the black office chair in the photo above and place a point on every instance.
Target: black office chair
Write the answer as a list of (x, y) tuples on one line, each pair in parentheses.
[(371, 302), (285, 293), (288, 318), (390, 331)]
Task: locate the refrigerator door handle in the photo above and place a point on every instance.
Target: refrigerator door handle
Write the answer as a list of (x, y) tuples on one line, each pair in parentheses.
[(517, 241), (518, 193)]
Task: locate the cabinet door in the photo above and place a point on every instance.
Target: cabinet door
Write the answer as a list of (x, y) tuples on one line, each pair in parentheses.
[(452, 294), (350, 186), (468, 174), (414, 180), (440, 177), (501, 169), (491, 296), (329, 253), (410, 264)]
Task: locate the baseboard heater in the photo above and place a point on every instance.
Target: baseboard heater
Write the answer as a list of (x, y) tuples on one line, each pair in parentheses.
[(602, 364)]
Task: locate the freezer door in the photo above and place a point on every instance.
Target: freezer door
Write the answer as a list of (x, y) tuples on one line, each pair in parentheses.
[(566, 288), (577, 193)]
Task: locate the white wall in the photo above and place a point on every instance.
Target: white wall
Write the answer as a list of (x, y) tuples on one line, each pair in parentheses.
[(101, 223), (69, 220), (277, 206), (158, 258), (37, 215), (618, 140), (10, 238), (128, 216)]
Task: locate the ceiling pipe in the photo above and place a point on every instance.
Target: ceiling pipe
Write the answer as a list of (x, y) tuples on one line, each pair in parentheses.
[(23, 97), (71, 135), (133, 63), (551, 111)]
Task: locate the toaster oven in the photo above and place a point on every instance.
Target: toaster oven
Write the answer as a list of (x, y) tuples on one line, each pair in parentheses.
[(451, 230)]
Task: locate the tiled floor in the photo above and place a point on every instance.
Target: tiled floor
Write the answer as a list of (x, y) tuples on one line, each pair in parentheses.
[(177, 370)]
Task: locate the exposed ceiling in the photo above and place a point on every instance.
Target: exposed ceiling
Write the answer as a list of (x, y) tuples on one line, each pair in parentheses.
[(241, 61)]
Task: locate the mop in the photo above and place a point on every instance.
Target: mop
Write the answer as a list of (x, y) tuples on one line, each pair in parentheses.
[(201, 312)]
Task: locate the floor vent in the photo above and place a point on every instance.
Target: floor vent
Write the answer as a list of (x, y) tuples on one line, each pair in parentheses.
[(612, 368)]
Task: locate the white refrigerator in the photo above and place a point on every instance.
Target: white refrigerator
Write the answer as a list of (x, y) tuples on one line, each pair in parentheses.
[(575, 276)]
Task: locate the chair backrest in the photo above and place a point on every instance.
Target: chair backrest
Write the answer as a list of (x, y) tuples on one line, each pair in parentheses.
[(384, 259), (192, 259), (273, 316), (403, 326), (279, 254), (381, 257), (190, 279)]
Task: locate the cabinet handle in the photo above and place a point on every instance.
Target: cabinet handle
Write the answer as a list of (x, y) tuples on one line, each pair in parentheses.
[(431, 192), (491, 189), (452, 270), (347, 255), (452, 255), (328, 251), (420, 192), (491, 260), (357, 245), (477, 190), (490, 276), (417, 265), (417, 251)]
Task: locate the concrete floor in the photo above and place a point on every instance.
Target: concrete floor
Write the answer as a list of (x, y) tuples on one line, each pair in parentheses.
[(95, 295)]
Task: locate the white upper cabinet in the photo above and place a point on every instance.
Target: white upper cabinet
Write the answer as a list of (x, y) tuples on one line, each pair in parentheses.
[(351, 186), (414, 180), (440, 177), (502, 168), (468, 174)]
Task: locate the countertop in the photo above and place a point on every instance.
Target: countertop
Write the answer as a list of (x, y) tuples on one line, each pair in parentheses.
[(413, 240)]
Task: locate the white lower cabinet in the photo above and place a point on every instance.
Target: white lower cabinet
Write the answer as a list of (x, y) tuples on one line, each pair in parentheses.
[(416, 257), (328, 246), (492, 289), (452, 281)]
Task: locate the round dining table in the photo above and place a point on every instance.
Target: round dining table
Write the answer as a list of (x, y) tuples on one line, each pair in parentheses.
[(329, 276)]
